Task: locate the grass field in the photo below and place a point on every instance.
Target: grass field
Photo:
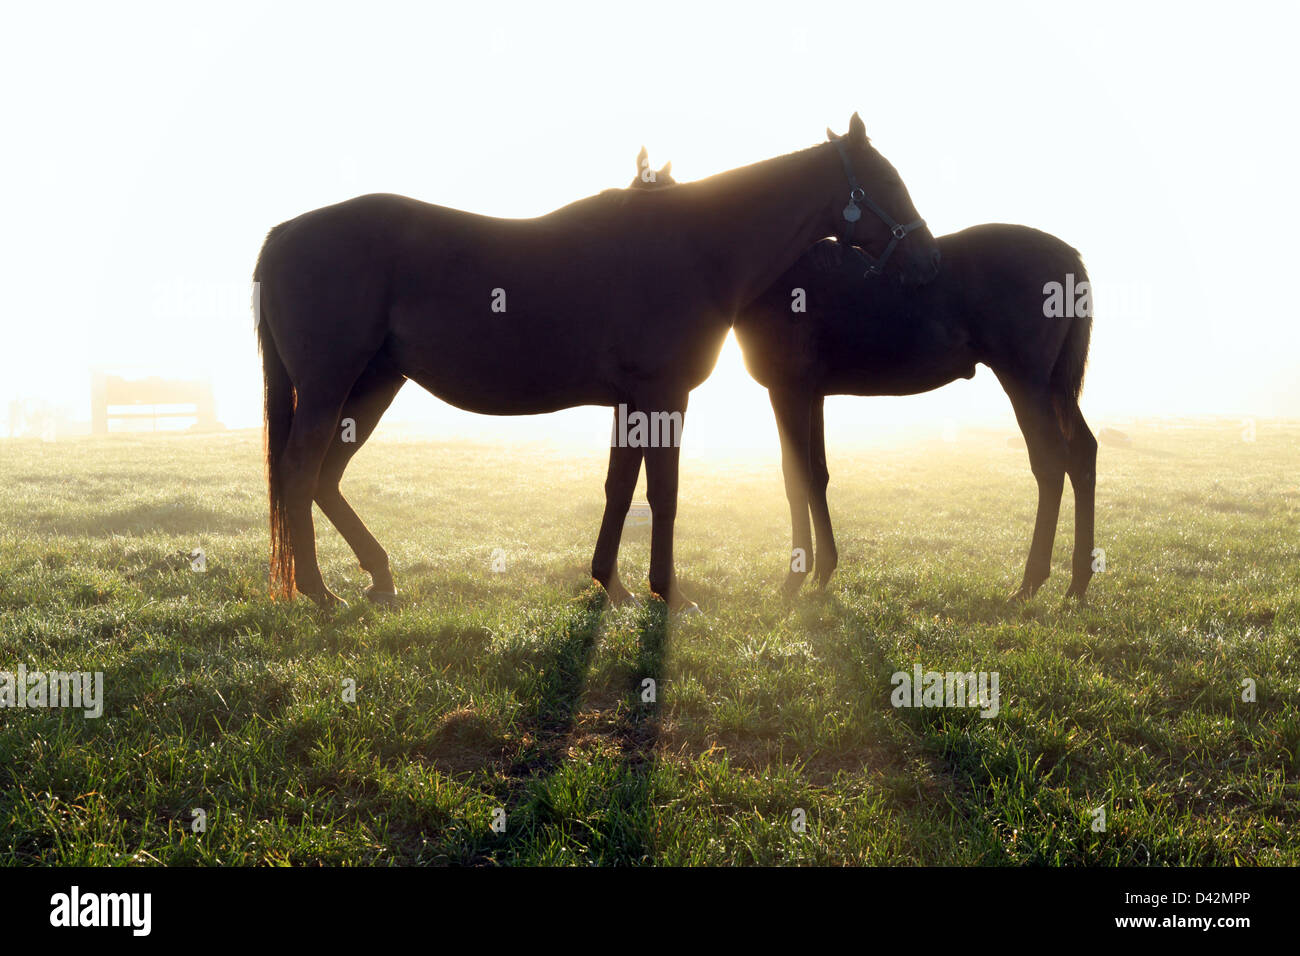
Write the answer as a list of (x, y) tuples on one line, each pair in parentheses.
[(520, 691)]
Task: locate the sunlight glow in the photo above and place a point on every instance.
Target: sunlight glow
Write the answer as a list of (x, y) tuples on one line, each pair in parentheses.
[(136, 204)]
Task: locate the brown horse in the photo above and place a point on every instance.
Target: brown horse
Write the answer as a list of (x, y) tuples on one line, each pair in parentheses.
[(621, 299), (991, 304)]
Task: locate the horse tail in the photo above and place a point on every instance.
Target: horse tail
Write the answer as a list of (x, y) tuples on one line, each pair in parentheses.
[(279, 401), (1072, 362)]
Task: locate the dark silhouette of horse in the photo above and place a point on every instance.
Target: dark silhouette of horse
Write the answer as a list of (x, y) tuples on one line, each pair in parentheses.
[(992, 304), (620, 299)]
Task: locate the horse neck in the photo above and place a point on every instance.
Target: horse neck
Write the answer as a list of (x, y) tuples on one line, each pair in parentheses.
[(763, 217)]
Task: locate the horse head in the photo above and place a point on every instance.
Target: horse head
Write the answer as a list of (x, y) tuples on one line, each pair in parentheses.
[(889, 226), (872, 212)]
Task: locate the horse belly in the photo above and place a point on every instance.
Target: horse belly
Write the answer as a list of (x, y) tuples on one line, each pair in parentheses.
[(905, 371), (511, 379), (501, 364)]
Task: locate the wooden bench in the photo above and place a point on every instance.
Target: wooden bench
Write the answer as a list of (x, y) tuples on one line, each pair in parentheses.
[(109, 392)]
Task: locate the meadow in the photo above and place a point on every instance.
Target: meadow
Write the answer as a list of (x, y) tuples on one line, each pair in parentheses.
[(500, 715)]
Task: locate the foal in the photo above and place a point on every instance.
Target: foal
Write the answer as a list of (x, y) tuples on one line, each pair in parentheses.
[(992, 304), (863, 337)]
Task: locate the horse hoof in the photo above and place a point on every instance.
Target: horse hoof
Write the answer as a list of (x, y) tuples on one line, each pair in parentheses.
[(620, 596), (678, 605), (793, 583), (1022, 596), (329, 601), (382, 598)]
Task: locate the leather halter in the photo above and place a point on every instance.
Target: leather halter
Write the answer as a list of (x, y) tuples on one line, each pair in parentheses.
[(852, 214)]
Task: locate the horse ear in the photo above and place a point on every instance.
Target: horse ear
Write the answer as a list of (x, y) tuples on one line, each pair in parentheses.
[(830, 134), (857, 130), (641, 158), (667, 169)]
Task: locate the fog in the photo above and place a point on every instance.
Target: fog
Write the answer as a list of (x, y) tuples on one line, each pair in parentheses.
[(150, 148)]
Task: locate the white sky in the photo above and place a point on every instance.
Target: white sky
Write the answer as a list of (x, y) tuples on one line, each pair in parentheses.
[(148, 148)]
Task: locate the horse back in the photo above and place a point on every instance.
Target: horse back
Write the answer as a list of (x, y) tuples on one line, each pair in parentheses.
[(1003, 278), (551, 309), (874, 336)]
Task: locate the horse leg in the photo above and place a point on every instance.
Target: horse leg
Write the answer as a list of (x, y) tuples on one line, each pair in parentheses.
[(793, 424), (620, 483), (1047, 457), (828, 556), (1082, 468), (315, 419), (370, 398), (661, 467)]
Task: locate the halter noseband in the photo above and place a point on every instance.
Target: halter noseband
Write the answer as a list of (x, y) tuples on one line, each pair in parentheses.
[(852, 214)]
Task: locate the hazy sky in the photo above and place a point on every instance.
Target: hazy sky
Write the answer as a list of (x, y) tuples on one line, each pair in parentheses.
[(148, 148)]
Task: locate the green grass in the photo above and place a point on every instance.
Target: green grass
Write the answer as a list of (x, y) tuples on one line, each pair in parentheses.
[(521, 690)]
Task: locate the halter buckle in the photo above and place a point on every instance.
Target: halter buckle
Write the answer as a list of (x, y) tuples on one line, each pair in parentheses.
[(851, 213)]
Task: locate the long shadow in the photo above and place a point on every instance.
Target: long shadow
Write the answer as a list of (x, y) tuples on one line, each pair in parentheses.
[(621, 769), (557, 694), (862, 670), (640, 728), (639, 733), (555, 698)]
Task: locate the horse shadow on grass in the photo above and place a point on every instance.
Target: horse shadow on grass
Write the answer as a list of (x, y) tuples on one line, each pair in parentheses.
[(576, 784), (584, 794), (931, 766)]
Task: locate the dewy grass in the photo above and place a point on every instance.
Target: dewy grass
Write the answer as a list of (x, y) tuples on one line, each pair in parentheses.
[(508, 716)]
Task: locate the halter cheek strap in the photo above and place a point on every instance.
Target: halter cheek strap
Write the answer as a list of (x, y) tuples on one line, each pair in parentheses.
[(852, 214)]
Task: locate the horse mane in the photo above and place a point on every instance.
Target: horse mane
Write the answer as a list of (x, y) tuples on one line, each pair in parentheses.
[(746, 174), (738, 178)]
